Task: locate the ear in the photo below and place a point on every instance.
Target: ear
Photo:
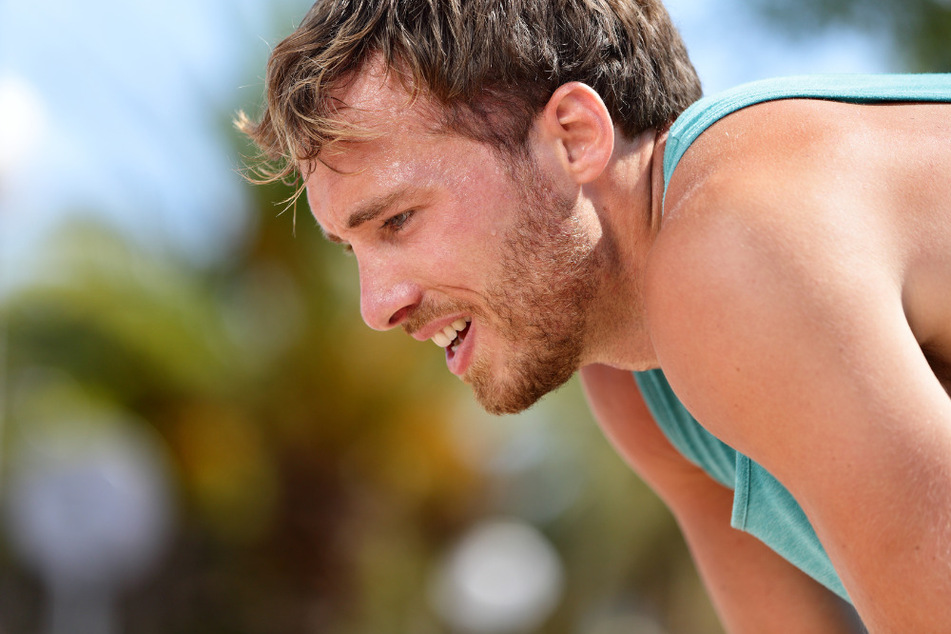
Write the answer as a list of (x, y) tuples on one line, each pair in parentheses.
[(577, 121)]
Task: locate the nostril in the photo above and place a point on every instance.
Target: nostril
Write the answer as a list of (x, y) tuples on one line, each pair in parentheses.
[(399, 316), (385, 305)]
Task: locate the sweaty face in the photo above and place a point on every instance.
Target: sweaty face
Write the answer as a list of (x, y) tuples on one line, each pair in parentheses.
[(545, 282), (483, 254)]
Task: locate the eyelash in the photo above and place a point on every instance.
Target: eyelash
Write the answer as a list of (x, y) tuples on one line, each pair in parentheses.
[(393, 224), (396, 222)]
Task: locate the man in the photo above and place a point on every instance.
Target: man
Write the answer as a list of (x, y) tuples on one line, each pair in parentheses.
[(508, 178)]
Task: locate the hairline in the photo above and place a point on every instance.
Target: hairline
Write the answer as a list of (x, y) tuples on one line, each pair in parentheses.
[(393, 74)]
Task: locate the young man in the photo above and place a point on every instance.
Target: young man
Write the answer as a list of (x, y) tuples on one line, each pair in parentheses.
[(508, 177)]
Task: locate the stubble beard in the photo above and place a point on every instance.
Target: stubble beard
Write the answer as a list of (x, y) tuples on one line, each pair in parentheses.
[(541, 302), (546, 283)]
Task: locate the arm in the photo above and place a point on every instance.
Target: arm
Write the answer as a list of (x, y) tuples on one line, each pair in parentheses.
[(784, 331), (753, 589)]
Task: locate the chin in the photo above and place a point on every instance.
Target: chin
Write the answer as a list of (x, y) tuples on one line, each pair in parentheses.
[(517, 395)]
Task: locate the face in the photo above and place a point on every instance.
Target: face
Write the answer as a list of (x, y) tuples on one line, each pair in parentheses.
[(535, 303), (483, 254)]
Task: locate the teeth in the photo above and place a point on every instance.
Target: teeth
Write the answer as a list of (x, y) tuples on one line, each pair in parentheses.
[(448, 334)]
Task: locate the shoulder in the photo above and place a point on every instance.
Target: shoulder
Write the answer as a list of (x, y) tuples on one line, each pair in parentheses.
[(774, 298), (769, 149), (792, 178), (770, 247)]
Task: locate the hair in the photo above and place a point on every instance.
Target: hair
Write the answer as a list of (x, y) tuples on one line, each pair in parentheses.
[(489, 67)]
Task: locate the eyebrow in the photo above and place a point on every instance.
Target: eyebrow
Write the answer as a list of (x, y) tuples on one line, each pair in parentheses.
[(372, 209)]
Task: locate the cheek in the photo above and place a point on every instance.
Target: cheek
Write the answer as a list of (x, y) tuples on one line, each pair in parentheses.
[(454, 260), (470, 242), (466, 239), (486, 203)]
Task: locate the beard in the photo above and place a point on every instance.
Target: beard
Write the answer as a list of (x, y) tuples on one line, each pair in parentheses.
[(540, 302)]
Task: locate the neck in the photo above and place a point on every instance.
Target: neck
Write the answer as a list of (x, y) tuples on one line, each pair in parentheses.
[(629, 201)]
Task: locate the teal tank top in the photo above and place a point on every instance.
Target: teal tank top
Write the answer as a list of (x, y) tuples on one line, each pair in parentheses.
[(761, 505)]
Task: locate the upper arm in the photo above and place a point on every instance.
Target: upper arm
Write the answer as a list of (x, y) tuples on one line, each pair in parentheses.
[(785, 335), (623, 416), (754, 589)]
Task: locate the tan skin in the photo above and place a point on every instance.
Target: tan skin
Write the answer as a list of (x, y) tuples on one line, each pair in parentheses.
[(826, 324), (795, 291)]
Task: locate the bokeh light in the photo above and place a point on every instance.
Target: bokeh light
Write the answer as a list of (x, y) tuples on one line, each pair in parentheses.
[(502, 576)]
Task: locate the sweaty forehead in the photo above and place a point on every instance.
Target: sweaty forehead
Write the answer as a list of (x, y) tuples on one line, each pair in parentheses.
[(393, 128), (396, 161), (375, 100)]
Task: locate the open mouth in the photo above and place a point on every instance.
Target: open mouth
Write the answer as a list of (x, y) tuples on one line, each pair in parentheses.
[(452, 336), (455, 343)]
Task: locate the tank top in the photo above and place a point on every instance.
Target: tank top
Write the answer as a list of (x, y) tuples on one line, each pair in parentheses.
[(761, 505)]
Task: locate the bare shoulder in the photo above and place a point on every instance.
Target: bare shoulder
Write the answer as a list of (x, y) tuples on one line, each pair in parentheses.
[(779, 239), (794, 217), (816, 154), (772, 180), (780, 302)]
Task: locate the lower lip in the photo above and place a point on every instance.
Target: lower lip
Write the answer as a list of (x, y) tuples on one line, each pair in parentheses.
[(458, 361)]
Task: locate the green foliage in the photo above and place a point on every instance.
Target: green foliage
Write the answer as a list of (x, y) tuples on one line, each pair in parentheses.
[(323, 469)]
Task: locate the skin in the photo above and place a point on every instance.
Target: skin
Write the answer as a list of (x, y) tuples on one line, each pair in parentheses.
[(530, 270), (795, 292), (828, 325)]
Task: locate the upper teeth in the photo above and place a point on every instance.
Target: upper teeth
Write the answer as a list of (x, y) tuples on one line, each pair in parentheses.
[(446, 336)]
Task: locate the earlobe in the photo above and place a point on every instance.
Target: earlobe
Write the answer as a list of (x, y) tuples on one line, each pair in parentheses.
[(576, 118)]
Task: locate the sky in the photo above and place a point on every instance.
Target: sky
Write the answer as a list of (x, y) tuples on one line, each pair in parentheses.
[(120, 109)]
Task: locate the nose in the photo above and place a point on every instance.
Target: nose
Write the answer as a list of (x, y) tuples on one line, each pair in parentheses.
[(385, 299)]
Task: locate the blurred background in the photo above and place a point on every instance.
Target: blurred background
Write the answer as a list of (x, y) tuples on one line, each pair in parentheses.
[(198, 434)]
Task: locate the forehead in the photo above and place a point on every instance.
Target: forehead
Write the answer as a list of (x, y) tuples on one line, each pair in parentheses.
[(401, 144), (377, 102)]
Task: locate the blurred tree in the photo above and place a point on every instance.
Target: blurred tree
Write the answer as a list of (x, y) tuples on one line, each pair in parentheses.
[(321, 465), (273, 403), (918, 31)]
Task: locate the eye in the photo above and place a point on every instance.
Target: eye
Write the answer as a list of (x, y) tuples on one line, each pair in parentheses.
[(396, 222)]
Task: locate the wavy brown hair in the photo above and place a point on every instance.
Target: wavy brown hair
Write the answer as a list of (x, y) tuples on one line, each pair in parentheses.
[(488, 65)]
